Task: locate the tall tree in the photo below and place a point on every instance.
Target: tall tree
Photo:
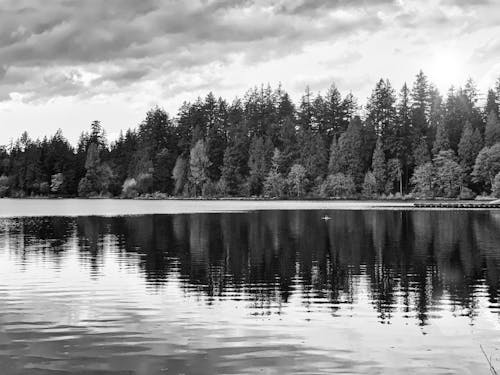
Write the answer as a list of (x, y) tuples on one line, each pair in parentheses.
[(259, 163), (379, 167), (350, 151), (442, 142), (492, 131), (198, 166)]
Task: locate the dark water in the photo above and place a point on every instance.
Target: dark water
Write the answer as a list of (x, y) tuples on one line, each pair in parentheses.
[(271, 292)]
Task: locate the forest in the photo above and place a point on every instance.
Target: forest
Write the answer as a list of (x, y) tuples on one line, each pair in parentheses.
[(407, 143)]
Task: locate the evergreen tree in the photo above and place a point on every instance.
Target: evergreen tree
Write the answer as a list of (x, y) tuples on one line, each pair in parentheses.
[(421, 154), (442, 142), (492, 131), (467, 149), (313, 154), (405, 137), (350, 152), (259, 163), (421, 106), (333, 162), (379, 167), (491, 104)]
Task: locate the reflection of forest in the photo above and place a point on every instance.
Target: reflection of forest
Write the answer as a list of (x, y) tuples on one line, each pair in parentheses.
[(410, 259)]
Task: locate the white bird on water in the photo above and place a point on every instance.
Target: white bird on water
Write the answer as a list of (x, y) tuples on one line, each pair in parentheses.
[(326, 218)]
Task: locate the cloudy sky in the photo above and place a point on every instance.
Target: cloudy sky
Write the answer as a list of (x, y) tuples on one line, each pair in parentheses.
[(64, 63)]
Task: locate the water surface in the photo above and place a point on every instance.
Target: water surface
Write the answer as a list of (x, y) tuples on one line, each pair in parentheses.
[(275, 292)]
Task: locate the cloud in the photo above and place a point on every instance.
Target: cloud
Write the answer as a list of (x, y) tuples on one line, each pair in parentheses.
[(93, 47), (127, 40)]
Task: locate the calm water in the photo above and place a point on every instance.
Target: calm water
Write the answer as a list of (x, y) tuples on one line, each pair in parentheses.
[(273, 292)]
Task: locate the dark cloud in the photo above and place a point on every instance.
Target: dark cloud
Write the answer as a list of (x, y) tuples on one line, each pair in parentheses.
[(127, 41)]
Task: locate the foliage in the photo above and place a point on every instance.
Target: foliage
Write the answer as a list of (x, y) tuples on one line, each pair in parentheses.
[(216, 148), (423, 180), (379, 167), (496, 186), (198, 166), (4, 186), (129, 188), (180, 174), (370, 188), (338, 185), (448, 175), (487, 165), (492, 130), (297, 180)]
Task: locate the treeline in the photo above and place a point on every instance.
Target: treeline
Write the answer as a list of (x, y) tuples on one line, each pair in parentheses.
[(411, 142)]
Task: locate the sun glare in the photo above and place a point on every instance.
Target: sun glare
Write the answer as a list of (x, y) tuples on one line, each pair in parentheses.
[(446, 69)]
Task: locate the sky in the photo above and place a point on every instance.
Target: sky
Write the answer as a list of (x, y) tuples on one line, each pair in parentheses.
[(65, 63)]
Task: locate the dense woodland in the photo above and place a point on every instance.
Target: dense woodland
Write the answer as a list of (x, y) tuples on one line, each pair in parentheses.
[(411, 142)]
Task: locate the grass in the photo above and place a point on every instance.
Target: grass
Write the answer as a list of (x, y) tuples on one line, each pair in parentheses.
[(492, 369)]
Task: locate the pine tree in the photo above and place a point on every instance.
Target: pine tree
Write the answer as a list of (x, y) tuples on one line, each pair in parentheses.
[(379, 167), (491, 104), (313, 154), (442, 142), (350, 151), (466, 149), (259, 163), (421, 105), (421, 154), (492, 131), (333, 162)]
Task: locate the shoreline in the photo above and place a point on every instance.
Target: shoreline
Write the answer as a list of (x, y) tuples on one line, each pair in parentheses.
[(72, 207)]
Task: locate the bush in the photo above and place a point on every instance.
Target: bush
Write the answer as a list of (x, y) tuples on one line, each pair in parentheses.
[(338, 185), (496, 186)]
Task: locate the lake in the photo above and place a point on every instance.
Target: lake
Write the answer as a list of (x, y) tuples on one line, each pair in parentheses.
[(255, 292)]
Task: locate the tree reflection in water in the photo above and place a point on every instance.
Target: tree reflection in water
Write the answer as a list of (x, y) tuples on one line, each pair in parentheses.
[(406, 261)]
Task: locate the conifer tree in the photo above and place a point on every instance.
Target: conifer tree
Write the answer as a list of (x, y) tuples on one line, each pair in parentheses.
[(492, 130), (379, 167), (466, 149), (442, 142), (333, 162)]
